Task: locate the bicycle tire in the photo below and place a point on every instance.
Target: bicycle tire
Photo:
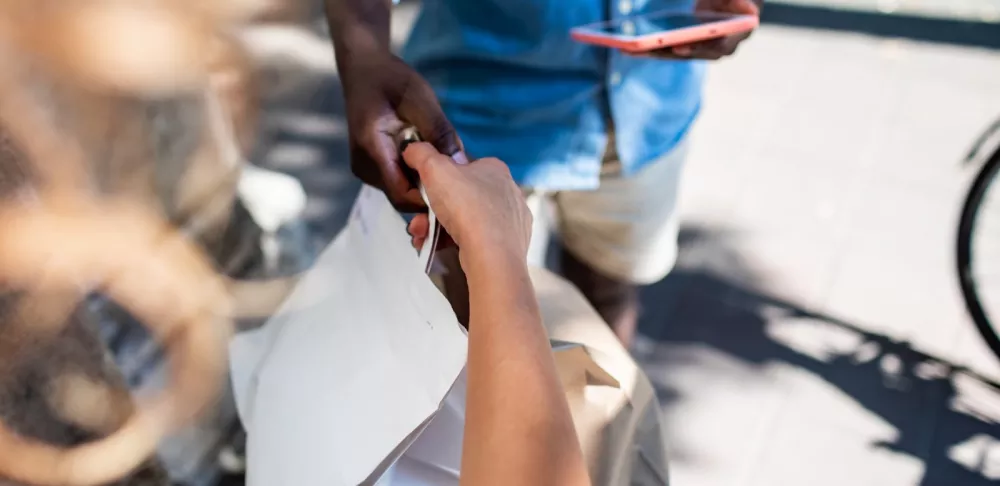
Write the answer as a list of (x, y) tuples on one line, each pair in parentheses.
[(966, 229)]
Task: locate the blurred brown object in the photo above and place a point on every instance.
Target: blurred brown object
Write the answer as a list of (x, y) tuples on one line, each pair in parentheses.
[(287, 12), (115, 118), (165, 282)]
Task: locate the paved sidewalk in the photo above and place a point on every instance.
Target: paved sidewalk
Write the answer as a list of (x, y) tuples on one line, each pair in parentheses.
[(812, 333)]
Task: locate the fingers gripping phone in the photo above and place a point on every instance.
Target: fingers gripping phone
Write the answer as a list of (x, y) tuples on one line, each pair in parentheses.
[(659, 30)]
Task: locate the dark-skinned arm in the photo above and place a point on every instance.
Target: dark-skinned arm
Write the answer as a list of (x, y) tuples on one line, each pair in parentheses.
[(358, 24)]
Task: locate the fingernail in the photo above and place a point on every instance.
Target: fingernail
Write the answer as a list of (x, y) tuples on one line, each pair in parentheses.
[(460, 158)]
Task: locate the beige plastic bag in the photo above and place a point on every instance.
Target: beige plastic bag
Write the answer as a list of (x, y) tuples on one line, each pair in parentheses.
[(614, 406)]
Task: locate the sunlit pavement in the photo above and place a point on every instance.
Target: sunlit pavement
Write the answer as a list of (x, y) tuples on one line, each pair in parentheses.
[(812, 333)]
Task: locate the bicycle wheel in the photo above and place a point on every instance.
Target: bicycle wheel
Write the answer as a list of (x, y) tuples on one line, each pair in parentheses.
[(979, 252)]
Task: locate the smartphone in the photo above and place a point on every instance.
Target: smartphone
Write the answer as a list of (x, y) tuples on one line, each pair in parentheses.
[(659, 30)]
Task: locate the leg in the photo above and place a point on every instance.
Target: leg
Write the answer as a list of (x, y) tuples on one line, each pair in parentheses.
[(617, 301), (621, 236)]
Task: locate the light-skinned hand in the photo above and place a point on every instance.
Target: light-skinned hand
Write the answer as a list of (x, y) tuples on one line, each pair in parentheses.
[(479, 204)]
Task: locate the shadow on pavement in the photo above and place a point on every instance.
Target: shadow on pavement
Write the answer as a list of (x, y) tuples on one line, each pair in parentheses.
[(947, 31), (930, 402)]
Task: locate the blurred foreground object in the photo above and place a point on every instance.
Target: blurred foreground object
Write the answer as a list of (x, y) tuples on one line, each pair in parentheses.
[(167, 285), (123, 132)]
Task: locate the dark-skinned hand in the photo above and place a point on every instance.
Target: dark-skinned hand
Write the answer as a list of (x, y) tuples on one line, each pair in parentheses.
[(712, 49), (382, 95)]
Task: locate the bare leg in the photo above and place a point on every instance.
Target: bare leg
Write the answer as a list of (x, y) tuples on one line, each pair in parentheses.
[(616, 301)]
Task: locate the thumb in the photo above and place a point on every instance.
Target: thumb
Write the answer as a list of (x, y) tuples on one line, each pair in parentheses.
[(745, 7), (422, 156)]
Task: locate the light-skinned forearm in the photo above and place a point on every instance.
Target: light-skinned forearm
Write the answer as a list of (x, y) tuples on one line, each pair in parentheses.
[(518, 428)]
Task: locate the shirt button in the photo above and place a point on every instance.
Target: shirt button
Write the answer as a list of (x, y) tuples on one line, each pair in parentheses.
[(625, 7), (628, 28), (616, 78)]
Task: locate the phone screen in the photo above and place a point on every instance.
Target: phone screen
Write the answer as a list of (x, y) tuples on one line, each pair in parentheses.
[(651, 24)]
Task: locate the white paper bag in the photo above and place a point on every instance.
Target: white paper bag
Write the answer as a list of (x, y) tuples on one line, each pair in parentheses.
[(343, 378), (435, 457)]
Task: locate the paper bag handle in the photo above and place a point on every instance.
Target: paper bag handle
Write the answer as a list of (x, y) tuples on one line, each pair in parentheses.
[(426, 252), (403, 138)]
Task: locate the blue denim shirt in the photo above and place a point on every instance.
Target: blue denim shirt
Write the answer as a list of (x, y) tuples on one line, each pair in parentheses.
[(517, 87)]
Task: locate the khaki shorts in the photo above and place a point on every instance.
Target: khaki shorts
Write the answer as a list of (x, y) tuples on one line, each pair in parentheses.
[(626, 228)]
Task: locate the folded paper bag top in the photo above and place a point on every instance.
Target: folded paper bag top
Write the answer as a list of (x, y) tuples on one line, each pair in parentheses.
[(335, 386)]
